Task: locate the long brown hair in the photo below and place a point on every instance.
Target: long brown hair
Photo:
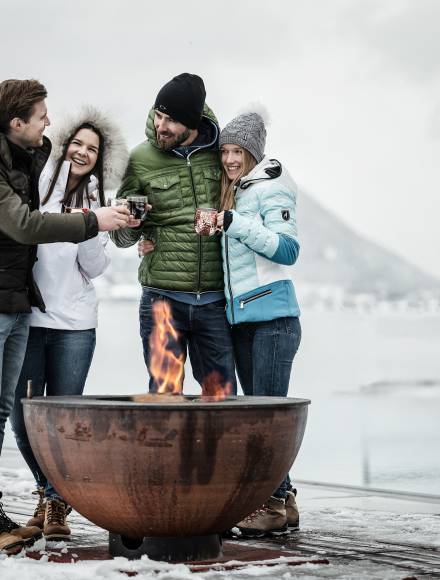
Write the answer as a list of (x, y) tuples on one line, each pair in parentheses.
[(227, 191), (75, 197)]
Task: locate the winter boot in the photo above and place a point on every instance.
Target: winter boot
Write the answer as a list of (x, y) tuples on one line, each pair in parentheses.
[(270, 519), (9, 544), (55, 526), (24, 535), (292, 511), (40, 510)]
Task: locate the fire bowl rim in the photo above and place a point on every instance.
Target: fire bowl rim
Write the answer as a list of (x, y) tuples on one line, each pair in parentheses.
[(192, 402)]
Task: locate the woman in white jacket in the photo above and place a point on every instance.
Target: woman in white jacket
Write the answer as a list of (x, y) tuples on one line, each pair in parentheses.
[(89, 153)]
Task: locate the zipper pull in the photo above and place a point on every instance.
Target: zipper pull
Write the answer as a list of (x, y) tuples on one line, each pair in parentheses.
[(198, 296), (241, 304)]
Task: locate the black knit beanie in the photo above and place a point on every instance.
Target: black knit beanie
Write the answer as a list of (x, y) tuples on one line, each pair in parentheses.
[(183, 99)]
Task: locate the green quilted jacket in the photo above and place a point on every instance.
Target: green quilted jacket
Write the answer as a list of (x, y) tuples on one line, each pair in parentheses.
[(176, 186)]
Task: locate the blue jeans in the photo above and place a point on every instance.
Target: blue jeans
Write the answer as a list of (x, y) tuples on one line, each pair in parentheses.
[(57, 362), (14, 329), (264, 353), (203, 331)]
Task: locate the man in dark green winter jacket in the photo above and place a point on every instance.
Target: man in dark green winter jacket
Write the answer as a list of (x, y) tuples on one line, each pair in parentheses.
[(23, 153), (178, 168)]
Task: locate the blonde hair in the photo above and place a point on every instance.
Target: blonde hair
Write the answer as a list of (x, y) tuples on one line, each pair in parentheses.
[(227, 191)]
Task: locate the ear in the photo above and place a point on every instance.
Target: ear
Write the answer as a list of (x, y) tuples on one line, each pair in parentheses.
[(15, 124)]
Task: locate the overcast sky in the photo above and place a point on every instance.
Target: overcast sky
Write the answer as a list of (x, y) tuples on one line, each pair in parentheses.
[(352, 87)]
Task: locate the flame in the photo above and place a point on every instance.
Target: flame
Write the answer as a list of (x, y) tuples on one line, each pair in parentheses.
[(167, 361), (166, 366), (215, 388)]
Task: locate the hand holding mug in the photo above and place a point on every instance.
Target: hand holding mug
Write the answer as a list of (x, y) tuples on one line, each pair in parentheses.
[(220, 221), (205, 221)]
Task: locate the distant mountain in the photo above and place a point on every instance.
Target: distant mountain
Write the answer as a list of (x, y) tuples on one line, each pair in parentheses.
[(335, 263), (333, 254)]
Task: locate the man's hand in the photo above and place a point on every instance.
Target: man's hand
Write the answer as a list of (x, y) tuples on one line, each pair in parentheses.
[(135, 223), (145, 247), (112, 218)]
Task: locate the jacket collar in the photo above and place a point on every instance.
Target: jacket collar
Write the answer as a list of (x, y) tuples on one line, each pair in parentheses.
[(6, 154), (5, 151), (266, 169)]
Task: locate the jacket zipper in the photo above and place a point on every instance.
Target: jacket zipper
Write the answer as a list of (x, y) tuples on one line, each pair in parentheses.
[(254, 297), (188, 162), (228, 271), (199, 240)]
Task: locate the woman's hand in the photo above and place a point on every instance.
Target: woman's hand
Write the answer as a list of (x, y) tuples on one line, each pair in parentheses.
[(220, 219)]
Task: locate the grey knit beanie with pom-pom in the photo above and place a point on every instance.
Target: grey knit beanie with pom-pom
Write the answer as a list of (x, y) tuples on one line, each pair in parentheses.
[(247, 131)]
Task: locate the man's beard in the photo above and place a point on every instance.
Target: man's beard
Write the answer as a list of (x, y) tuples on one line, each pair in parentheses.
[(168, 145)]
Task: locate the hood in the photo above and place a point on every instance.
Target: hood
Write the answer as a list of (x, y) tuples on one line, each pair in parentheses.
[(266, 169), (116, 151), (150, 131)]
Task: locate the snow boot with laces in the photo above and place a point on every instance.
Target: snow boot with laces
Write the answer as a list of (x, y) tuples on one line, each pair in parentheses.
[(269, 520), (24, 535)]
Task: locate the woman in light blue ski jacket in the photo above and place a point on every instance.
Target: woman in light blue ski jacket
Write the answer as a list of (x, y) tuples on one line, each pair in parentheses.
[(260, 246)]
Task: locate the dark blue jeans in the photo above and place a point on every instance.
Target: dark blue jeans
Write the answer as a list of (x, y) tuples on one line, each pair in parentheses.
[(14, 330), (264, 353), (57, 362), (203, 331)]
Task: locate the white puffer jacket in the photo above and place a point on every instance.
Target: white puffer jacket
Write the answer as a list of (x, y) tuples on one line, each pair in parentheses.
[(64, 271)]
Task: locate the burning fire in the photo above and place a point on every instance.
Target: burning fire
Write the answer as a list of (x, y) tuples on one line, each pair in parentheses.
[(167, 361), (215, 388), (166, 367)]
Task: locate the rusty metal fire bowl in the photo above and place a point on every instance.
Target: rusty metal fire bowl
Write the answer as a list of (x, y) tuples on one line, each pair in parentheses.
[(165, 466)]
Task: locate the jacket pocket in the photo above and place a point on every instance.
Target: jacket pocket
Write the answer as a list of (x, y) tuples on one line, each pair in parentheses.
[(165, 193), (245, 301), (211, 179)]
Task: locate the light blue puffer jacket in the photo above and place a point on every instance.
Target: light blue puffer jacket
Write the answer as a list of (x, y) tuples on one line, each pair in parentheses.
[(260, 245)]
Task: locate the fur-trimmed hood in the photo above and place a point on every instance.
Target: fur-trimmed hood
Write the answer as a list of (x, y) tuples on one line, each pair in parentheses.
[(116, 151)]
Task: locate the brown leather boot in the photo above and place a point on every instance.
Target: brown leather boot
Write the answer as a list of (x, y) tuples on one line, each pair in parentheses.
[(23, 535), (270, 519), (55, 527), (292, 511), (40, 511), (9, 544)]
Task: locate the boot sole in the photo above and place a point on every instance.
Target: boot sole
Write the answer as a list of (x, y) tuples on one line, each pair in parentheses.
[(13, 549), (261, 534), (31, 541), (57, 538)]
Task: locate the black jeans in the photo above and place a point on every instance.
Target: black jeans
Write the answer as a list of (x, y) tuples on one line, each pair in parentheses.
[(203, 331)]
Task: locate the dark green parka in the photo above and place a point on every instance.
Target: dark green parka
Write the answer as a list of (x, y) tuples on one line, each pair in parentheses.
[(176, 185)]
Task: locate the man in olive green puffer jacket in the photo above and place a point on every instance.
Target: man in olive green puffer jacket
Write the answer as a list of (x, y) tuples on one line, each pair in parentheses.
[(178, 168)]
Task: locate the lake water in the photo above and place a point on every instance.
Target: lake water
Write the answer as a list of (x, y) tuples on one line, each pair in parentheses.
[(388, 438)]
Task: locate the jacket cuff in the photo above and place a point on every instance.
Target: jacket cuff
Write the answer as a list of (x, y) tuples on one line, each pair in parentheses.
[(235, 226), (227, 219), (91, 222)]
